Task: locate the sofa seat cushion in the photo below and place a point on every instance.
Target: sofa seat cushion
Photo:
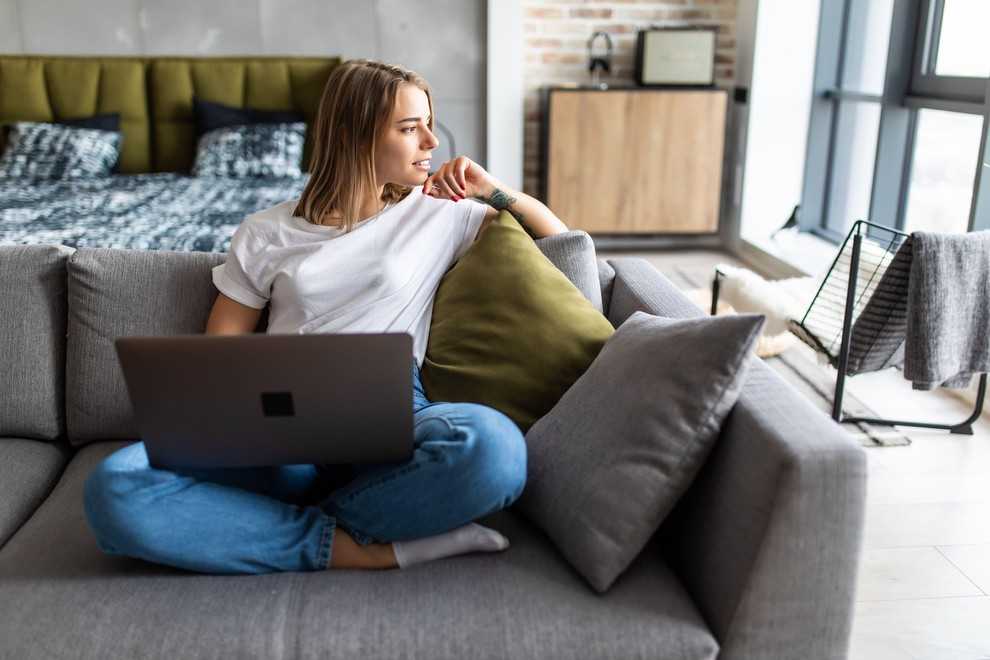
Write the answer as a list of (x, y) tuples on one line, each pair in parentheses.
[(59, 593), (28, 472)]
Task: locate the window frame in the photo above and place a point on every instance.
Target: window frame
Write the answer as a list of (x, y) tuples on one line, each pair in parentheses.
[(909, 85), (924, 81)]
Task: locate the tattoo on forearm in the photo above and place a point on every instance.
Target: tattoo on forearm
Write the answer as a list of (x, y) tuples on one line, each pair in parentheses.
[(501, 201)]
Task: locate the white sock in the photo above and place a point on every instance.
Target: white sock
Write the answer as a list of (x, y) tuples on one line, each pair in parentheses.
[(471, 537)]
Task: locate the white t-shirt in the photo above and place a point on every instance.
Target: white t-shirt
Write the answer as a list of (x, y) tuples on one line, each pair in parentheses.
[(380, 277)]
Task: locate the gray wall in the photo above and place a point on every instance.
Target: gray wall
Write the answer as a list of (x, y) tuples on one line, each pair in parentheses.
[(443, 40)]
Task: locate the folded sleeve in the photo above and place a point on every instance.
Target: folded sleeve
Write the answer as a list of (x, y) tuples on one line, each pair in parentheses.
[(472, 223), (241, 277)]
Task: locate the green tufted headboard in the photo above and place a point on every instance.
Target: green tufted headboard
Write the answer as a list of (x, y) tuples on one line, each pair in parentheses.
[(154, 96)]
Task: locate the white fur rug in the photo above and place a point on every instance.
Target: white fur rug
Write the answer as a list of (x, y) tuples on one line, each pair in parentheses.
[(780, 300), (742, 291), (768, 345)]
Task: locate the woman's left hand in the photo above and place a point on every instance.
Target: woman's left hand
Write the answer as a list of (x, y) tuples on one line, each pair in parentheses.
[(459, 179)]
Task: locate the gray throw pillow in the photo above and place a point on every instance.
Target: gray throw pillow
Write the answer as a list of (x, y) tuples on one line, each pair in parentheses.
[(610, 460)]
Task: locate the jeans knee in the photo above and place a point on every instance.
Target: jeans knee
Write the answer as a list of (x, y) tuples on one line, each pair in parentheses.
[(99, 504), (108, 498), (498, 455)]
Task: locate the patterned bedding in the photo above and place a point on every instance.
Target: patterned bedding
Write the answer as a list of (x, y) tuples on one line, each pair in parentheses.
[(139, 211)]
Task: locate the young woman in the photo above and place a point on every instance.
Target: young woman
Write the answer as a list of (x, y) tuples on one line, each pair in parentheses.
[(362, 250)]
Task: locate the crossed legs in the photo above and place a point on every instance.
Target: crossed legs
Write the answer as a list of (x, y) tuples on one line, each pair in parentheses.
[(469, 461)]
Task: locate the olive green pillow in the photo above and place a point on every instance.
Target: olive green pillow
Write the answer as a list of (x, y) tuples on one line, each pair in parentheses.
[(509, 330)]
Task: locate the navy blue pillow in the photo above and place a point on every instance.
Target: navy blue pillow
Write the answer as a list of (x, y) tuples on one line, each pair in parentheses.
[(108, 122), (211, 115)]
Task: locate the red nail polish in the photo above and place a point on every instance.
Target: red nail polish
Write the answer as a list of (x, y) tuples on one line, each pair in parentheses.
[(455, 199)]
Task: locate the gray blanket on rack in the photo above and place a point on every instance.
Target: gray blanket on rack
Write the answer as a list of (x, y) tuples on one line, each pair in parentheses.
[(948, 326)]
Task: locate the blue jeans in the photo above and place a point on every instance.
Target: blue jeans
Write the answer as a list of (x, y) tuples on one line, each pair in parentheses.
[(469, 461)]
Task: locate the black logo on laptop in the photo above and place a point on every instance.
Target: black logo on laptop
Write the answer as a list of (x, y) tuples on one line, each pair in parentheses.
[(277, 404)]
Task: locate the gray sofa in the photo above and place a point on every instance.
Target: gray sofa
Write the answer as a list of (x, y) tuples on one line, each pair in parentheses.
[(758, 560)]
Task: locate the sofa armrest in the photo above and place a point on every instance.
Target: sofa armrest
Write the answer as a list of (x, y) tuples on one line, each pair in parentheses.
[(639, 287), (767, 539)]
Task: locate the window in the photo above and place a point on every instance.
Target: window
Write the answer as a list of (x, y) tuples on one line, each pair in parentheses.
[(846, 115), (898, 129), (865, 57), (943, 166), (960, 46), (857, 125)]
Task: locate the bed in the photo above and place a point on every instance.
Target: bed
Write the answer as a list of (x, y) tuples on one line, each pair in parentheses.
[(150, 153)]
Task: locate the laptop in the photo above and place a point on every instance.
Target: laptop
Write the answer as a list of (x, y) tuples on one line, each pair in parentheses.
[(223, 401)]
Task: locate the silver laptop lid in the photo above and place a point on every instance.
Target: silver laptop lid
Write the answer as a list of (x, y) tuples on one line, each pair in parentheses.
[(249, 400)]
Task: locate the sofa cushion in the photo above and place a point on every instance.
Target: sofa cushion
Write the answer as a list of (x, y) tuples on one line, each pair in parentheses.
[(28, 472), (509, 330), (609, 462), (606, 280), (117, 293), (573, 253), (32, 340), (59, 596)]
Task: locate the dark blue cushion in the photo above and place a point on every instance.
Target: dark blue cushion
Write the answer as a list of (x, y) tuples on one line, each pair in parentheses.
[(211, 115), (108, 122)]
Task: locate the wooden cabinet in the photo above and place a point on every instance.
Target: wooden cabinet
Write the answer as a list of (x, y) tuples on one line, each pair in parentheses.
[(634, 161)]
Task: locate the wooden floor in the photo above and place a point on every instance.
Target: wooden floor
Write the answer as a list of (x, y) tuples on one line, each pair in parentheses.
[(924, 583)]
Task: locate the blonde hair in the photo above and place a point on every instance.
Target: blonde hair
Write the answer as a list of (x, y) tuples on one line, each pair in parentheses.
[(354, 112)]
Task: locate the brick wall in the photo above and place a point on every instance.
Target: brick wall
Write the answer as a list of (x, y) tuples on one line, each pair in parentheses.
[(555, 47)]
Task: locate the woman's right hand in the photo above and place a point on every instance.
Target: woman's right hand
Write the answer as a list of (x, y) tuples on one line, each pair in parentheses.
[(459, 179)]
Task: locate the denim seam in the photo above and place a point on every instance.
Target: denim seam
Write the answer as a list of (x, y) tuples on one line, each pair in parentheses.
[(326, 543), (357, 535)]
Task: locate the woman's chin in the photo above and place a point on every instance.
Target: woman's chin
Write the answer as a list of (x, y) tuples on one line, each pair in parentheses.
[(411, 181)]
